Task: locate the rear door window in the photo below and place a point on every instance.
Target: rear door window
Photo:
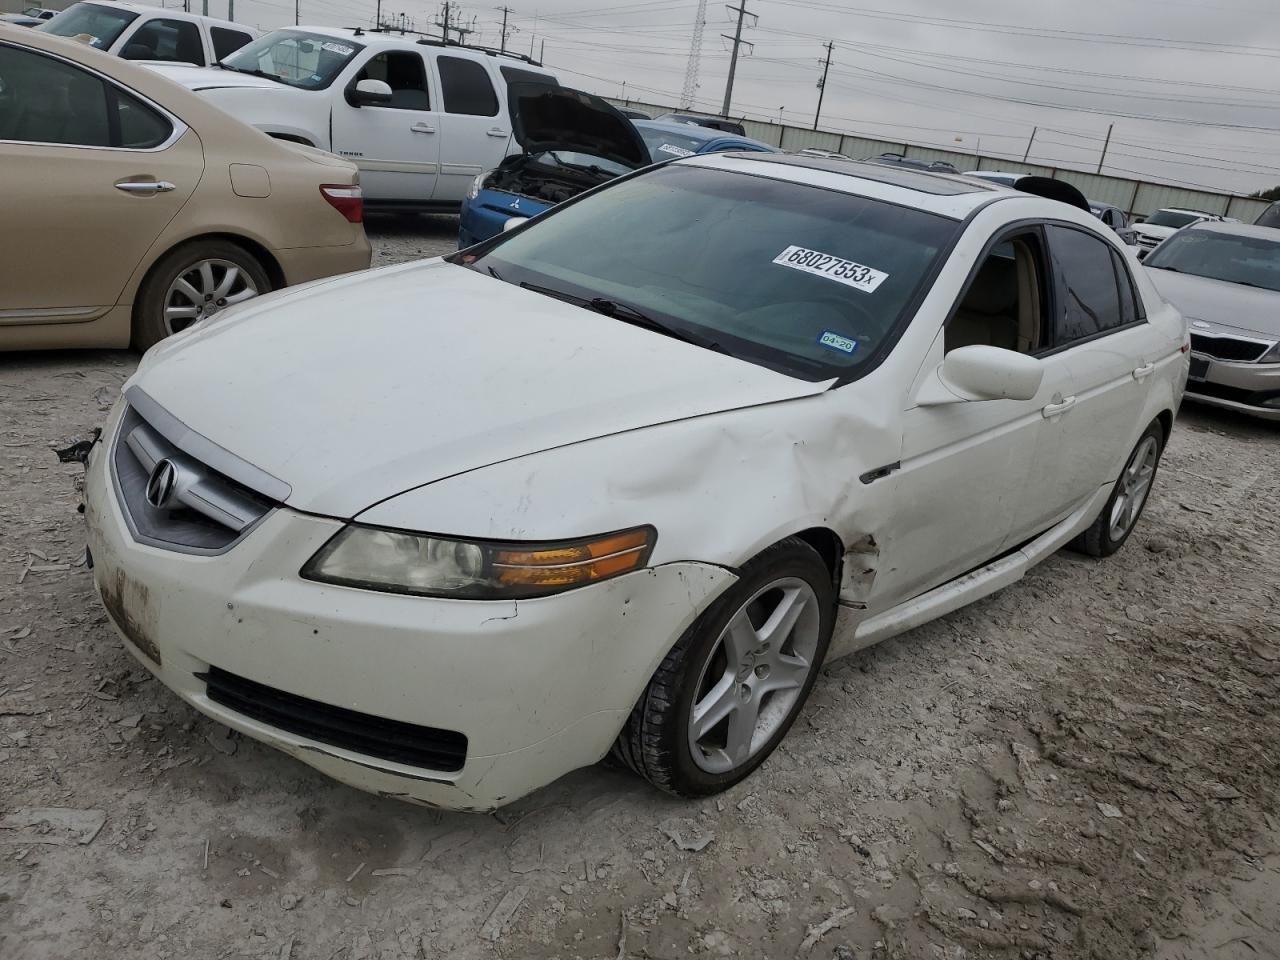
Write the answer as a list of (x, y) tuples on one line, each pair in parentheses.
[(466, 87), (227, 42), (174, 41), (35, 92), (1089, 301)]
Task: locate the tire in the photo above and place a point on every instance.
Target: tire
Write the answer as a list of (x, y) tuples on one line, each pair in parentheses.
[(1106, 534), (658, 742), (150, 324)]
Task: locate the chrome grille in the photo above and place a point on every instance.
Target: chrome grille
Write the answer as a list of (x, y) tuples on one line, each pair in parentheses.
[(1228, 348), (202, 511)]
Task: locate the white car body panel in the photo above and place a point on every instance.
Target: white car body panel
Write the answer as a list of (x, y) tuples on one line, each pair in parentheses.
[(431, 409), (502, 414), (406, 156)]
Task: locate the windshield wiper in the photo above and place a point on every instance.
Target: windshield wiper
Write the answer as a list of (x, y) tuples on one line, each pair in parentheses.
[(255, 73), (627, 314)]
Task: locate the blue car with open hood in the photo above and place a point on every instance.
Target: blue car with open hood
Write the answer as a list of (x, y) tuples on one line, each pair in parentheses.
[(572, 141)]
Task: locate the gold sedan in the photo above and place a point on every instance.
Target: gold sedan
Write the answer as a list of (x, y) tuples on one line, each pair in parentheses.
[(132, 208)]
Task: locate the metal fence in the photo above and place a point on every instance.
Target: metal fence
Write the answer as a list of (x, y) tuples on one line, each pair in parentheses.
[(1138, 197)]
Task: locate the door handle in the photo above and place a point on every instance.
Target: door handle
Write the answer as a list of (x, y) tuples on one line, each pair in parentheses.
[(421, 127), (145, 188), (1058, 406), (1144, 371), (495, 132)]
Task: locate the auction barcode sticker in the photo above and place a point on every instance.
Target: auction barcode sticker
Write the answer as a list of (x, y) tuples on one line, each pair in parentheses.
[(843, 271), (675, 151)]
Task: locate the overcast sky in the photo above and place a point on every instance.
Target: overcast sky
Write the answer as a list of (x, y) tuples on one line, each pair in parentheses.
[(1192, 86)]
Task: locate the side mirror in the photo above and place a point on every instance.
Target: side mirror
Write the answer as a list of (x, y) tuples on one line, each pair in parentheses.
[(368, 93), (983, 373), (512, 222)]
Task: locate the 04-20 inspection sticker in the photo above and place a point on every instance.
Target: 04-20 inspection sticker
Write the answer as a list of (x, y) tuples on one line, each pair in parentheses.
[(838, 269)]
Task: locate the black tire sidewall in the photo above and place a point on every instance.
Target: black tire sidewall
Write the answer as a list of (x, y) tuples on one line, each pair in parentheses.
[(800, 561), (148, 314), (1107, 543)]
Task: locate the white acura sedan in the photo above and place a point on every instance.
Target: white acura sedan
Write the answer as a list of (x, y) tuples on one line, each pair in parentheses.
[(451, 529)]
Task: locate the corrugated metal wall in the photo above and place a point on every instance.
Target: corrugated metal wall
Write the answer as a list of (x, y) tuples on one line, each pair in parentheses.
[(1139, 198)]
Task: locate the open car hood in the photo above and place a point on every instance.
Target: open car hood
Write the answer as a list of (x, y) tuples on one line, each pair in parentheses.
[(546, 118)]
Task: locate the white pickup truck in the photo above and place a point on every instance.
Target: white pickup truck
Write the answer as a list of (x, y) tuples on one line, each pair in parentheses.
[(421, 119), (137, 32)]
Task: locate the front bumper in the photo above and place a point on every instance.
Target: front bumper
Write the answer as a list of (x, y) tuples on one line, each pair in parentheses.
[(1251, 388), (538, 688), (484, 216)]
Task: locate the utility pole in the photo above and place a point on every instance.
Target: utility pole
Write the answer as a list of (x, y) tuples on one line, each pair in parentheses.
[(377, 19), (297, 12), (502, 44), (1029, 143), (542, 50), (1106, 143), (741, 10), (205, 8), (822, 84), (444, 25), (231, 10)]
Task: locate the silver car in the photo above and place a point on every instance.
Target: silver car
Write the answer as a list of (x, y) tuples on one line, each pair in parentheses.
[(1225, 279)]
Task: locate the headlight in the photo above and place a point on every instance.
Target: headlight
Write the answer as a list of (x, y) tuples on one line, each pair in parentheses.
[(1271, 356), (394, 561), (476, 186)]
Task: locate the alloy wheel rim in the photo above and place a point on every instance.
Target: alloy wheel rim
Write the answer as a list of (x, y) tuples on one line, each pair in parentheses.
[(1135, 486), (204, 289), (753, 675)]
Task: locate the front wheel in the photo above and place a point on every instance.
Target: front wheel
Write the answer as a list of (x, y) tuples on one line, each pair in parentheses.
[(727, 693), (1120, 515)]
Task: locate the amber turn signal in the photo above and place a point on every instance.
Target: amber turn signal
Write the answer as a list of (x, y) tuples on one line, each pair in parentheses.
[(574, 564)]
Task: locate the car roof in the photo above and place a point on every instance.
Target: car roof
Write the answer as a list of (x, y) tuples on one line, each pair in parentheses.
[(946, 194), (1236, 229), (697, 132), (1198, 213)]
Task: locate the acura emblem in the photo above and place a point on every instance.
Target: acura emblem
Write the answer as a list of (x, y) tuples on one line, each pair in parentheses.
[(161, 484)]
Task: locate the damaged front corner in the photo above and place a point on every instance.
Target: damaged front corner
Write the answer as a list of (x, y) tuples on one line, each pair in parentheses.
[(858, 576)]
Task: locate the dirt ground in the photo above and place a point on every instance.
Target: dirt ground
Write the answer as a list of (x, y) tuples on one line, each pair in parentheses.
[(1084, 765)]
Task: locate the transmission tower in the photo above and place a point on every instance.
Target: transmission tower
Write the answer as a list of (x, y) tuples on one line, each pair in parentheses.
[(695, 56)]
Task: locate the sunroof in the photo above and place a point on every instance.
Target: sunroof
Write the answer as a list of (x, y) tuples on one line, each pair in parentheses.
[(919, 180)]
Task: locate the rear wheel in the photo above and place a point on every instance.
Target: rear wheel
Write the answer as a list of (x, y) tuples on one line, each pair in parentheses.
[(191, 282), (727, 693), (1128, 498)]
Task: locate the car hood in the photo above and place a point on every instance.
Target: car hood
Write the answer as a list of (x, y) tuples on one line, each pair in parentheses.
[(209, 78), (557, 118), (1154, 230), (357, 389), (1219, 302)]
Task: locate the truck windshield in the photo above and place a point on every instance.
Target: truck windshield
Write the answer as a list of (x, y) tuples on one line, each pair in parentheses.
[(102, 25), (294, 57)]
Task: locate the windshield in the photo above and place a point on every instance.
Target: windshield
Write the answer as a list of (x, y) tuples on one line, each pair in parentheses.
[(803, 280), (663, 144), (1269, 217), (294, 57), (1221, 256), (1168, 218), (102, 25), (584, 161)]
